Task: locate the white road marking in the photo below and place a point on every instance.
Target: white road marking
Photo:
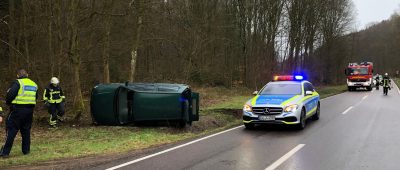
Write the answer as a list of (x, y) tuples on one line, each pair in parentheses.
[(170, 149), (364, 97), (347, 110), (285, 157)]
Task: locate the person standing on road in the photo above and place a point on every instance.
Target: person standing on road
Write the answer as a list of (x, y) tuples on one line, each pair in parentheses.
[(377, 82), (386, 82), (21, 97), (54, 100)]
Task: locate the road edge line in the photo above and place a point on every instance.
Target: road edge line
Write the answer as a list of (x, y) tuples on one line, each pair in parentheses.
[(285, 157), (171, 149), (333, 95)]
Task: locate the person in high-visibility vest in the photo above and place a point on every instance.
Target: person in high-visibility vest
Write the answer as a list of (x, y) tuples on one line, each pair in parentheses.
[(386, 83), (21, 97), (54, 100)]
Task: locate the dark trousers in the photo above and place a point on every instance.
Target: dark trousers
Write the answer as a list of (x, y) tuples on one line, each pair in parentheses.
[(19, 119), (385, 90), (56, 109)]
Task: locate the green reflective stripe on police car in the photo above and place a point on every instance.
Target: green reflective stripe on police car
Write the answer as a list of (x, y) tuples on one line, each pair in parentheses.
[(311, 111), (247, 121), (253, 101), (289, 123), (308, 97), (289, 100)]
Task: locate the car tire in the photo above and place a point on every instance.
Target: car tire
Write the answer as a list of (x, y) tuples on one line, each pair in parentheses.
[(317, 113), (303, 119), (249, 125)]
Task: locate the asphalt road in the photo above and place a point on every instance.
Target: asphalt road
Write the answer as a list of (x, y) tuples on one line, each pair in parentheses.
[(357, 130)]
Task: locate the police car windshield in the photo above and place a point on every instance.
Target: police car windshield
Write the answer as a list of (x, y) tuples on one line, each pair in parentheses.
[(281, 89)]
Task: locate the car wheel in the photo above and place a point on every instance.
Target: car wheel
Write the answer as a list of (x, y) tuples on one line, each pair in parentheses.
[(317, 113), (303, 120), (249, 125)]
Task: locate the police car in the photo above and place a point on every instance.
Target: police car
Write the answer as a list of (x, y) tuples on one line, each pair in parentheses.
[(288, 99)]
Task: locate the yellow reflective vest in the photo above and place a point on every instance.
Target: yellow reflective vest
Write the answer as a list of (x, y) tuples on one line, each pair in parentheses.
[(26, 93)]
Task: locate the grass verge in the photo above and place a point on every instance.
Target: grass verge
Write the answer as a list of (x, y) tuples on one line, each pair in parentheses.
[(326, 91), (221, 109)]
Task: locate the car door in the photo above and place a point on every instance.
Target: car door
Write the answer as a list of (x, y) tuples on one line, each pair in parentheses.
[(312, 101)]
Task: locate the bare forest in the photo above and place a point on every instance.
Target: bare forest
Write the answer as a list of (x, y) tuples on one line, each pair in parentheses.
[(198, 42)]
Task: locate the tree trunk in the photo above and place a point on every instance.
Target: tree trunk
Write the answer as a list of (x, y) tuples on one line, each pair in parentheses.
[(106, 49), (75, 60), (60, 55), (50, 40), (25, 33), (139, 8), (11, 38)]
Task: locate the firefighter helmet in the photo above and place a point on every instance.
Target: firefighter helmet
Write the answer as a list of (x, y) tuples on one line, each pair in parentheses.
[(54, 80)]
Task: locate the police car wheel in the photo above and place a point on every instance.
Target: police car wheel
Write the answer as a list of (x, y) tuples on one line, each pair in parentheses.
[(249, 125), (317, 113), (303, 120)]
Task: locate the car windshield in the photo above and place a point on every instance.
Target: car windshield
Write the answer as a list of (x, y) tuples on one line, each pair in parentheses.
[(281, 89), (357, 71)]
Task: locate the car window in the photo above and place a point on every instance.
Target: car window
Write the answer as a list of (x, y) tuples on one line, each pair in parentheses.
[(308, 87), (281, 89), (312, 87)]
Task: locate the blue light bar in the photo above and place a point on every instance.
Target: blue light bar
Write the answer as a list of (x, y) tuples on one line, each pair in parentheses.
[(298, 77)]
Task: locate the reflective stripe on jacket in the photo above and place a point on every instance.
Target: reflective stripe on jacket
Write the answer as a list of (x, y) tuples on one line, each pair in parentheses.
[(53, 94)]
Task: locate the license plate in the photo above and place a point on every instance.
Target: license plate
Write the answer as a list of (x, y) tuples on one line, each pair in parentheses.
[(266, 117)]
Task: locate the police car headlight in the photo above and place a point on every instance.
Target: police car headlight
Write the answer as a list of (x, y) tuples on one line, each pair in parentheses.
[(291, 108), (247, 108)]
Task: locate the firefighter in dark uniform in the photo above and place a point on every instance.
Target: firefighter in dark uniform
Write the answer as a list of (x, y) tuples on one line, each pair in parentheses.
[(377, 82), (386, 83), (21, 97), (54, 100)]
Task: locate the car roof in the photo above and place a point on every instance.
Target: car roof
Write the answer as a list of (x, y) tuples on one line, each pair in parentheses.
[(288, 82)]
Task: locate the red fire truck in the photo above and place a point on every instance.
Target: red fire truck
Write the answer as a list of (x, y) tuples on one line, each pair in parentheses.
[(359, 75)]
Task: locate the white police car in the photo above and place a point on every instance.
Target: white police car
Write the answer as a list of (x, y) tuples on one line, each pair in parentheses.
[(287, 100)]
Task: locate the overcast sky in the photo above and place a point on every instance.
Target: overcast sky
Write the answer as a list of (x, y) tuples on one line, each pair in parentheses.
[(374, 10)]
